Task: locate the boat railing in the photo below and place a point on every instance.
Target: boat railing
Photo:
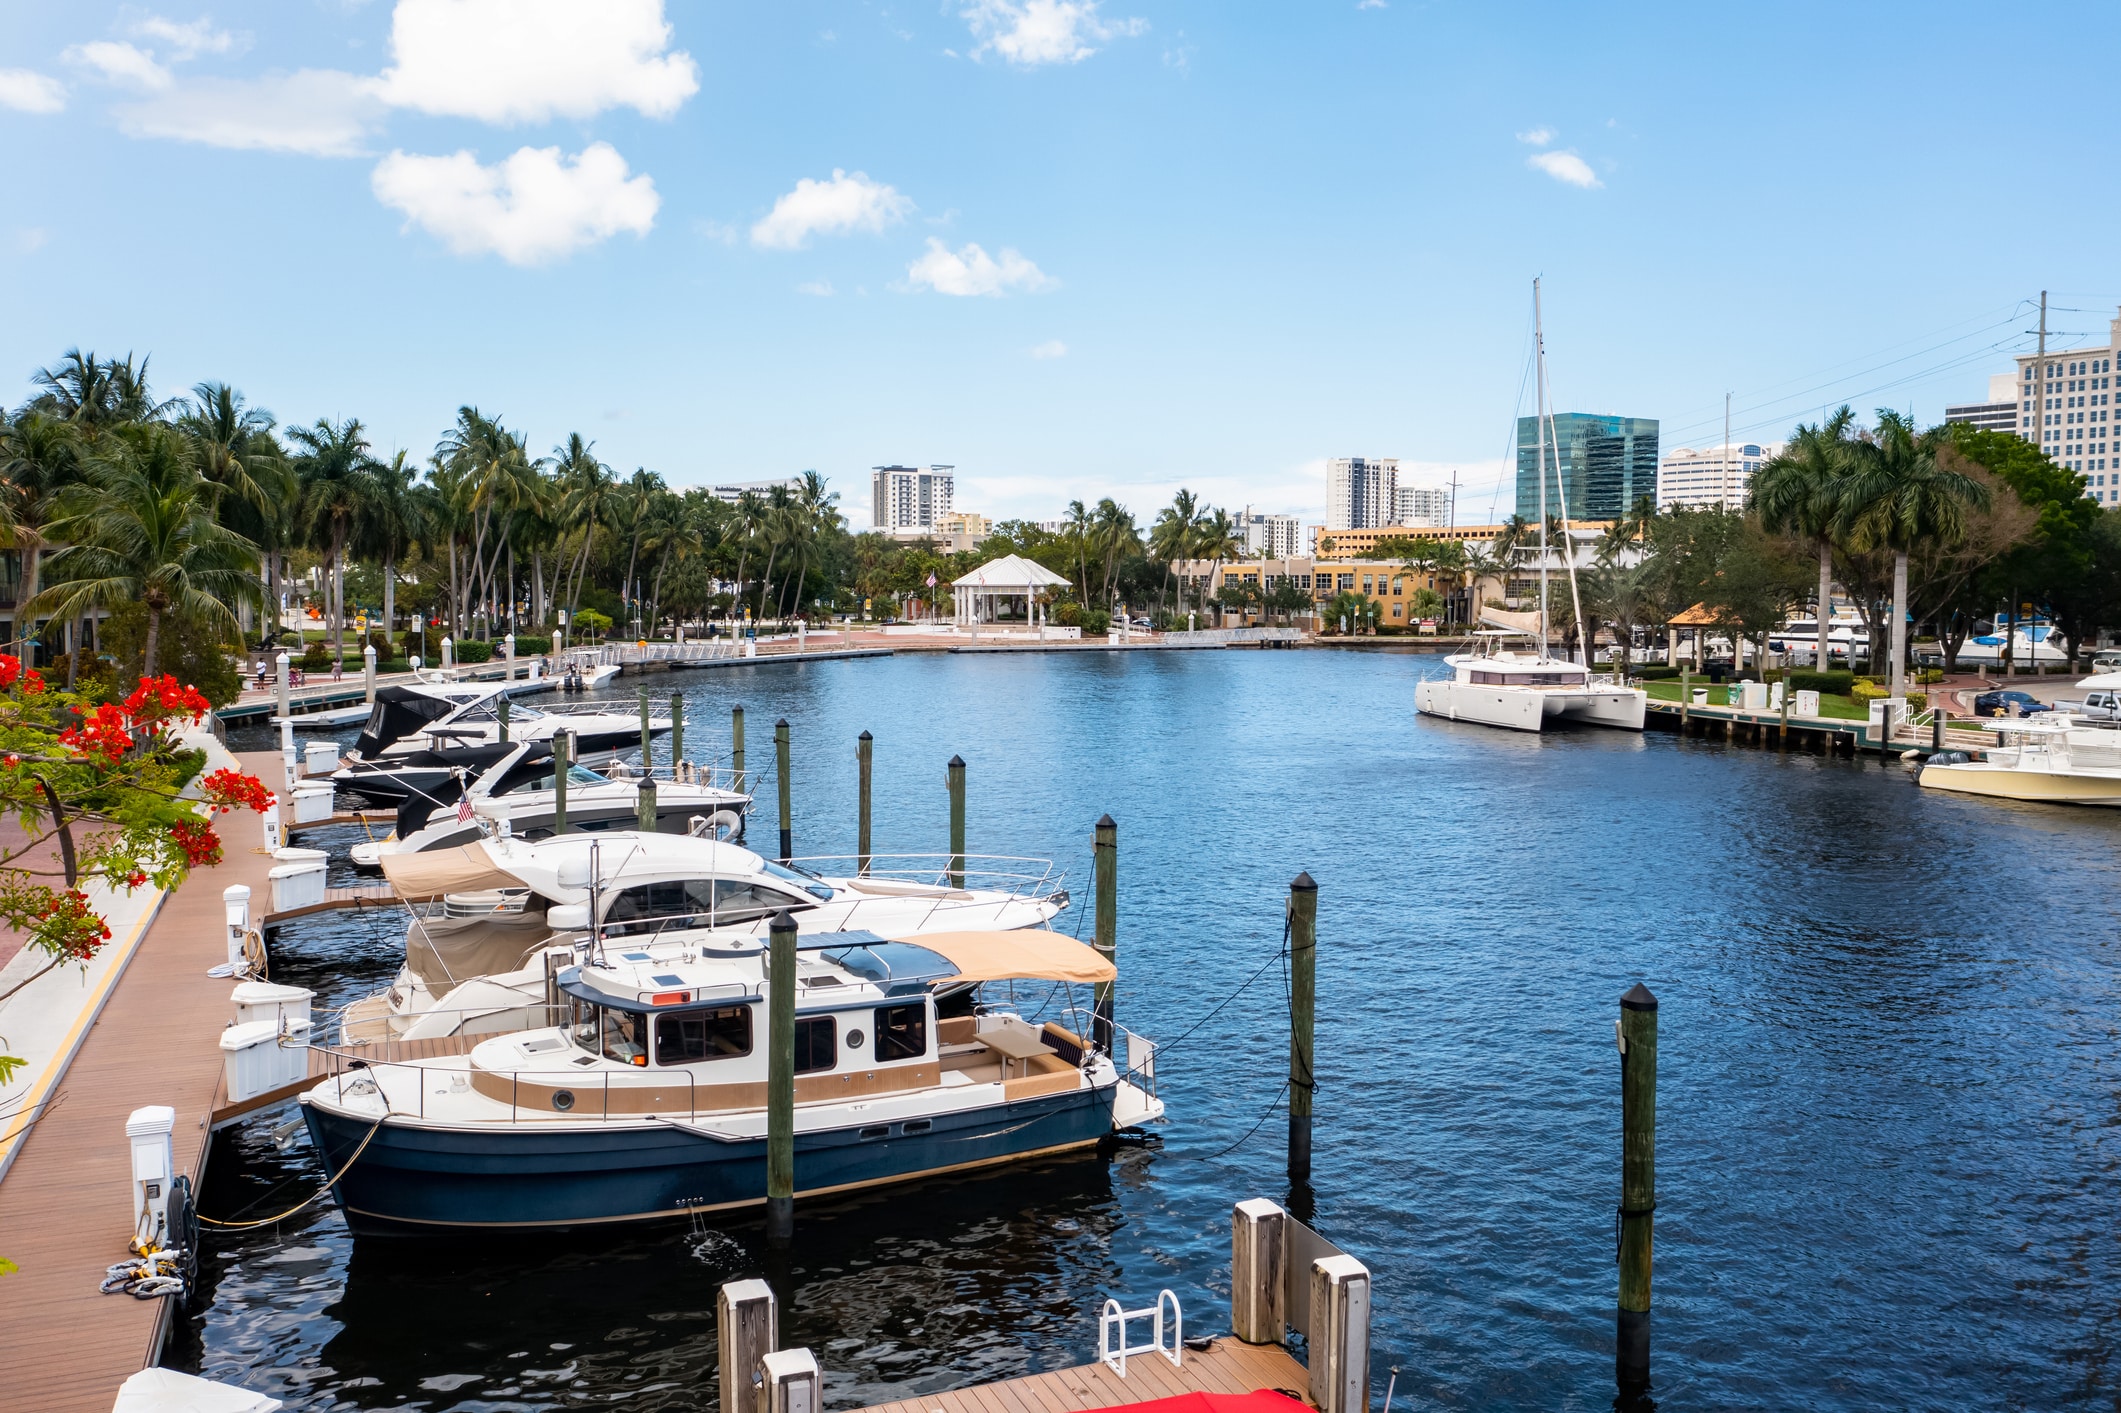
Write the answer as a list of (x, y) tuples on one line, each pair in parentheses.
[(567, 1096), (1140, 1067), (1016, 876), (707, 773)]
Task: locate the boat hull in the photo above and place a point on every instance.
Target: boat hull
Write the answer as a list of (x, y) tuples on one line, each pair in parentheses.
[(1528, 708), (2004, 782), (412, 1177)]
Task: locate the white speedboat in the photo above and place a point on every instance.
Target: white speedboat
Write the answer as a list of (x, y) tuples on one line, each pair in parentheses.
[(644, 1095), (499, 915), (516, 796), (2053, 761), (1523, 691), (419, 739)]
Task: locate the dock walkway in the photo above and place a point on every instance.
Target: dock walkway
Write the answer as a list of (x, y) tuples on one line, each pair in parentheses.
[(1227, 1366), (66, 1202)]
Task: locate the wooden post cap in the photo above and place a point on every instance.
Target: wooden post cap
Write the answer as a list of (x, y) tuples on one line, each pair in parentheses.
[(1639, 999), (1104, 821), (865, 736), (957, 762), (783, 921), (781, 723), (1304, 884)]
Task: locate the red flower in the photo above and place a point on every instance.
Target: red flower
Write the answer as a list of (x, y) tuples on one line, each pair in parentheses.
[(101, 733), (227, 789), (197, 839)]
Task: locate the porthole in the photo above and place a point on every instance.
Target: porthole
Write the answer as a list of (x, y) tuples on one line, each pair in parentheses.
[(854, 1040), (563, 1099), (916, 1126)]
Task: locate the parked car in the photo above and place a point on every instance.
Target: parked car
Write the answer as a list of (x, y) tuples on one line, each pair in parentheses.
[(2106, 662), (1142, 623), (2009, 703), (2101, 706)]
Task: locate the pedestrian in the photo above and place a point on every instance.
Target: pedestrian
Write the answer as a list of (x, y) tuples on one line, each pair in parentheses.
[(338, 669)]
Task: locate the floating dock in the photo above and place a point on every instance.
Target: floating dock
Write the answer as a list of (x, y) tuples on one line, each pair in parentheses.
[(1226, 1366), (1827, 734)]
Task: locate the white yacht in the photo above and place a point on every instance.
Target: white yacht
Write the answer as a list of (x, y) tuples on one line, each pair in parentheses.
[(1524, 690), (418, 739), (498, 916), (2047, 758), (644, 1095)]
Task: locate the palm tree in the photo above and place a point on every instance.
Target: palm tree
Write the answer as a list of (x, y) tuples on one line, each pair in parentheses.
[(1077, 523), (1800, 493), (139, 528), (1896, 497), (40, 455), (390, 521), (244, 464), (337, 477), (1114, 535), (587, 499), (1218, 541), (1171, 537), (1622, 595)]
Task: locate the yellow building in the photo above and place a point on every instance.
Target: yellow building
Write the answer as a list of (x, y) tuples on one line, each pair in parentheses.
[(1386, 583), (1354, 544), (965, 522)]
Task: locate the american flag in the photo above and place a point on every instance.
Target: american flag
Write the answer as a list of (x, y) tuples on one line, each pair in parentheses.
[(463, 809)]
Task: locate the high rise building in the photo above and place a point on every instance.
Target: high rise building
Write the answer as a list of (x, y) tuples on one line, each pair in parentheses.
[(1361, 491), (1271, 536), (1999, 413), (1717, 475), (1604, 464), (910, 498), (1427, 506), (2076, 426)]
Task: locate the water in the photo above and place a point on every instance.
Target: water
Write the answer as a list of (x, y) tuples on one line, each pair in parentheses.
[(1889, 1066)]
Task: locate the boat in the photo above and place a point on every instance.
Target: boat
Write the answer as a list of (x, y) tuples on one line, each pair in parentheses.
[(644, 1097), (516, 794), (1524, 690), (492, 919), (419, 739), (1797, 640), (2062, 761)]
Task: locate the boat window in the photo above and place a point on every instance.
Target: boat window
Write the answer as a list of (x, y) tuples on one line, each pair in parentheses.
[(810, 884), (682, 1037), (651, 907), (583, 1026), (625, 1036), (816, 1044), (737, 901), (576, 775), (901, 1032)]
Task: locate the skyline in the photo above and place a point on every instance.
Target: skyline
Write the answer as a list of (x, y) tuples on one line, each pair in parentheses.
[(1072, 249)]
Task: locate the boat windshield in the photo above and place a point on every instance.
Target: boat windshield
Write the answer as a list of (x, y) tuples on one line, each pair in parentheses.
[(808, 882), (576, 775), (613, 1034)]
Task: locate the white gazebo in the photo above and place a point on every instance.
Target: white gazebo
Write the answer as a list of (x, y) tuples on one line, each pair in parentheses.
[(978, 594)]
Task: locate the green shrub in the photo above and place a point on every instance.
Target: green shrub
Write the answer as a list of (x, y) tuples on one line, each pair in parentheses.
[(316, 658), (1069, 615), (423, 643), (590, 624), (472, 650), (1096, 622), (1863, 689), (527, 646), (1655, 673), (1834, 683)]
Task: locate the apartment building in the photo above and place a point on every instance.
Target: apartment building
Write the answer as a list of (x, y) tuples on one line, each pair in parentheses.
[(1361, 491), (910, 497)]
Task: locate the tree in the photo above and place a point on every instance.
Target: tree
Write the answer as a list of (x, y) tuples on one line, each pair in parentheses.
[(1172, 536), (39, 456), (244, 463), (1800, 493), (1218, 540), (1897, 497), (139, 528), (337, 478), (1114, 535), (389, 522)]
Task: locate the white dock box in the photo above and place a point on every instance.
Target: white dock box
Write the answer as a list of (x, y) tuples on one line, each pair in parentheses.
[(264, 1001), (1805, 703), (148, 1131), (298, 880), (1756, 695), (321, 757), (313, 801), (259, 1058)]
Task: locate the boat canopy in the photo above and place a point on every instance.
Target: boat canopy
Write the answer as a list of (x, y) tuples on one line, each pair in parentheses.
[(1026, 954), (444, 952), (433, 872), (399, 712)]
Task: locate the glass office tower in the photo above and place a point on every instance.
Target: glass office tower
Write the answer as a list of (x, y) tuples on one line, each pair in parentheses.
[(1605, 463)]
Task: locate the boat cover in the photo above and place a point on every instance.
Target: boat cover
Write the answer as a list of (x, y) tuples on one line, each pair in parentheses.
[(1028, 954), (444, 951), (398, 713), (433, 872)]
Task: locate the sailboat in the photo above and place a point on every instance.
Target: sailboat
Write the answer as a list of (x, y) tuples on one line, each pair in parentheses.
[(1496, 683)]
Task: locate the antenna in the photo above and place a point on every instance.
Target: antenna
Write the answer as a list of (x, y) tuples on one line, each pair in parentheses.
[(1539, 422)]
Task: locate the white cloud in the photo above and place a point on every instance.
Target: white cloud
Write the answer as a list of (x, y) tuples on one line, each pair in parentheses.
[(316, 112), (1051, 348), (1370, 4), (121, 63), (533, 207), (821, 288), (972, 271), (1033, 32), (186, 40), (1565, 167), (31, 239), (848, 202), (1537, 137), (27, 91), (511, 61)]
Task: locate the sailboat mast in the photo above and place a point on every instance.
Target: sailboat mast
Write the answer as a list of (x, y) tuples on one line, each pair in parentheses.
[(1568, 537), (1539, 418)]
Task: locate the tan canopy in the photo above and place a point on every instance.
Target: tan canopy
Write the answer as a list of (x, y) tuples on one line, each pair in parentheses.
[(446, 951), (1031, 954), (433, 872)]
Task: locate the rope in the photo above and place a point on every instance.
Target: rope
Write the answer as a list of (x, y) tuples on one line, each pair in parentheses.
[(1268, 1113), (1281, 956), (329, 1184)]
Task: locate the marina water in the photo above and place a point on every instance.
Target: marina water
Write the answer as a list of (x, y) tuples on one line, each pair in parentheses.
[(1889, 1113)]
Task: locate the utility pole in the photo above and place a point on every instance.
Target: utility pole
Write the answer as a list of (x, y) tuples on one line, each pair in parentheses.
[(1723, 484), (1451, 510), (2010, 631)]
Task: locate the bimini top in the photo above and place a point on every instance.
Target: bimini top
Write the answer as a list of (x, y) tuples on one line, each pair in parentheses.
[(1027, 954), (558, 868), (400, 712)]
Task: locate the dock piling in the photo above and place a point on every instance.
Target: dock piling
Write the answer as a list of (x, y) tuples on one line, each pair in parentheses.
[(864, 748), (644, 804), (646, 739), (1259, 1253), (677, 730), (500, 715), (1637, 1033), (1104, 858), (956, 776), (279, 663), (1303, 996), (780, 769), (736, 746), (780, 1082), (368, 673), (562, 761), (747, 1319)]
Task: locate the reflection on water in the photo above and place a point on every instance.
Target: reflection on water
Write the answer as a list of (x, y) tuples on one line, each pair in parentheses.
[(1887, 1162)]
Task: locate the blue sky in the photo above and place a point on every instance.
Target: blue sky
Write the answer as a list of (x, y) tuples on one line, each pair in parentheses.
[(1075, 249)]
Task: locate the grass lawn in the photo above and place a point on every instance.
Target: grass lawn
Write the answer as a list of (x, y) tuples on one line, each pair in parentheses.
[(1840, 707)]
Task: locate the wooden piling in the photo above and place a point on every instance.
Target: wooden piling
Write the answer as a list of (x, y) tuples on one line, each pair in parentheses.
[(1686, 699), (646, 739), (780, 1080), (1104, 860), (677, 731), (780, 770), (746, 1328), (956, 775), (500, 715), (644, 804), (1638, 1185), (1303, 997), (736, 746), (864, 749), (562, 762)]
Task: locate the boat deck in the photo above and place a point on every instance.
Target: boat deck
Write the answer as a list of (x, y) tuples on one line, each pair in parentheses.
[(1227, 1366)]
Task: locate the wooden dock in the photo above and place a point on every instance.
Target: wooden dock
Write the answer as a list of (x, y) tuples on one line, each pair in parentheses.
[(1227, 1366), (378, 895), (1831, 735), (387, 818), (66, 1203)]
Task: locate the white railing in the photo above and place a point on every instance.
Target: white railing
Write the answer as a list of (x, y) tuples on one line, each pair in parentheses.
[(1112, 1346)]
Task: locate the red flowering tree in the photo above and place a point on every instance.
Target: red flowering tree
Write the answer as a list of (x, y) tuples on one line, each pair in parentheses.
[(102, 784)]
